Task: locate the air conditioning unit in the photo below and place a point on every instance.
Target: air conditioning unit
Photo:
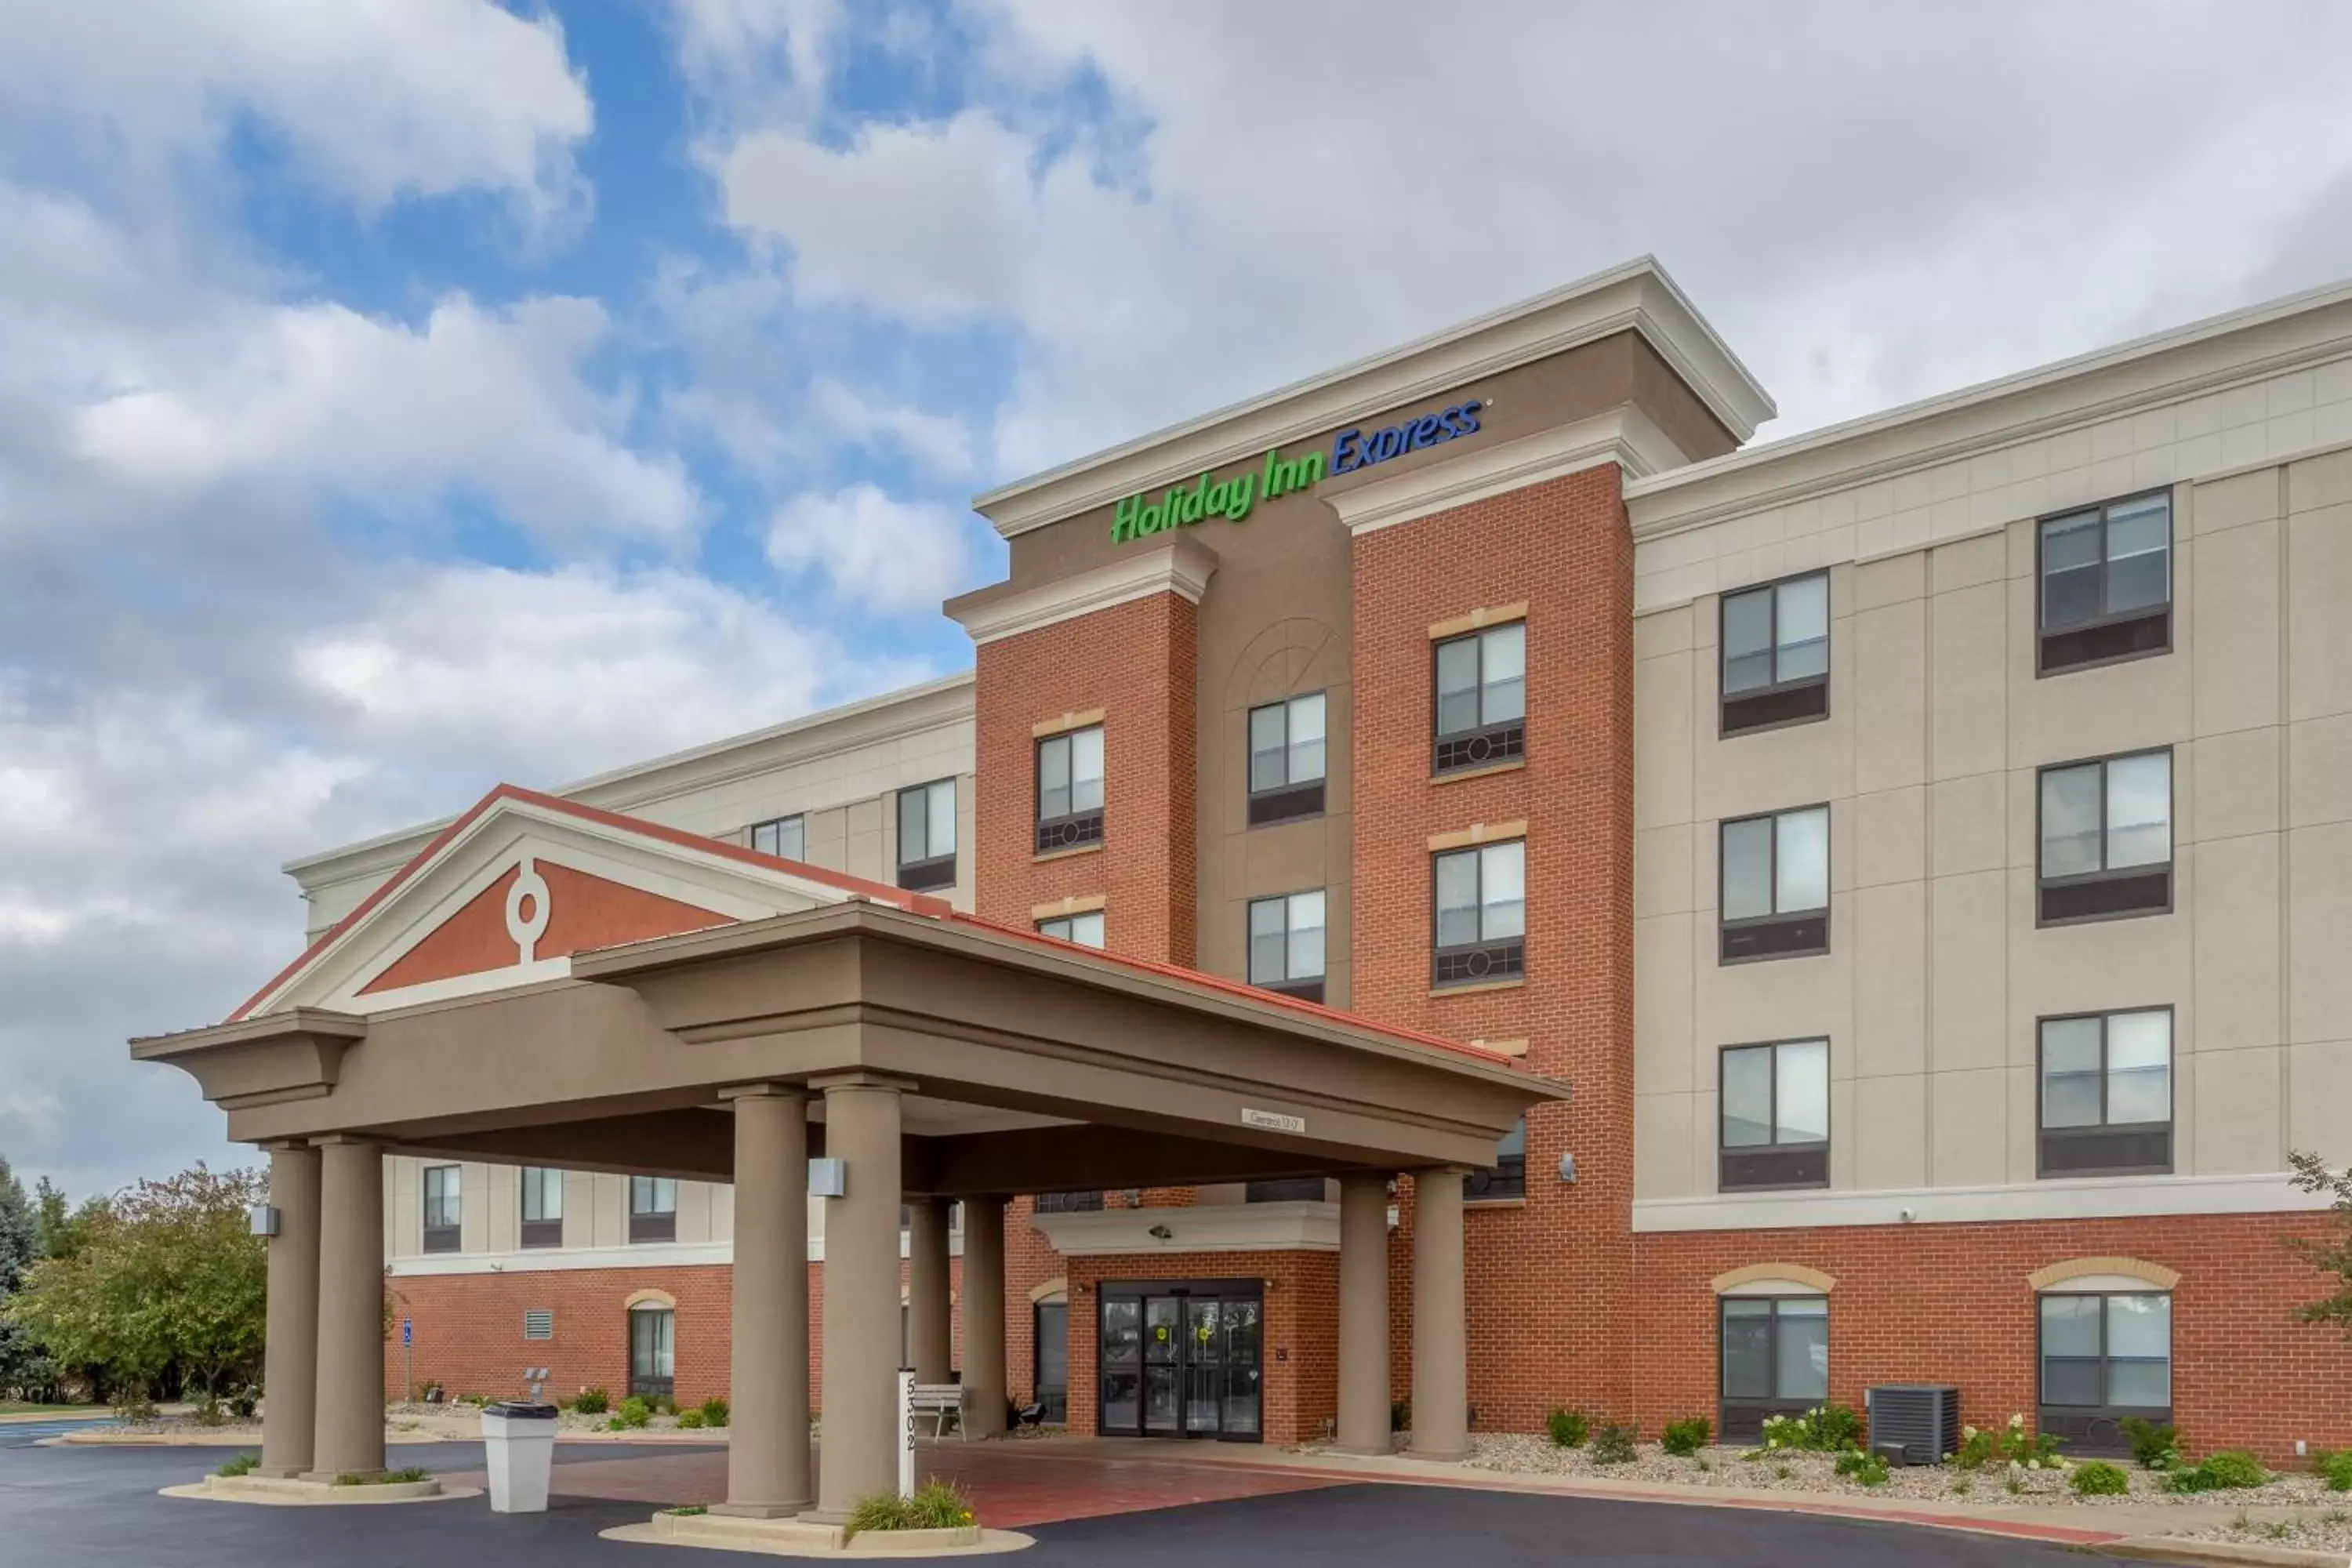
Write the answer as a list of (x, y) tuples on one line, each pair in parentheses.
[(1922, 1420)]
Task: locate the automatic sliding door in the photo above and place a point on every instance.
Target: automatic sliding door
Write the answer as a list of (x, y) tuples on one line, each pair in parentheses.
[(1204, 1368), (1238, 1346), (1122, 1367), (1163, 1364)]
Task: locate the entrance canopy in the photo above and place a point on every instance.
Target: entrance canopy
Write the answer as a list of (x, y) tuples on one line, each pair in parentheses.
[(553, 985)]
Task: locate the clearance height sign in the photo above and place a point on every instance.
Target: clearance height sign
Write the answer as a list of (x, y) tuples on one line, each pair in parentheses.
[(1182, 505)]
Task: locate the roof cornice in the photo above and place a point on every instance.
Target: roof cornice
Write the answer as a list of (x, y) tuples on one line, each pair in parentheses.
[(2166, 367), (1182, 567), (1637, 297)]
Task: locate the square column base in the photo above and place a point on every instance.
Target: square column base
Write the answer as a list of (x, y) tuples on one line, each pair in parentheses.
[(761, 1509)]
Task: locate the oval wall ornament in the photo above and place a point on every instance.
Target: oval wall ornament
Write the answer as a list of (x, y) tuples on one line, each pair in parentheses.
[(527, 910)]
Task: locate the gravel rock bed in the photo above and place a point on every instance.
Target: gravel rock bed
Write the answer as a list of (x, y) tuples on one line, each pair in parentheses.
[(2328, 1530), (172, 1425), (1517, 1453)]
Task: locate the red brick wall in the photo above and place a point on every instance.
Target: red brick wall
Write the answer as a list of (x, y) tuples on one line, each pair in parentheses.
[(1299, 1391), (1950, 1303), (1550, 1282), (469, 1339)]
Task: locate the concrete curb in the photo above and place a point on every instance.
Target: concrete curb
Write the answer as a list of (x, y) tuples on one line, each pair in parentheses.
[(273, 1492), (807, 1538), (2189, 1553)]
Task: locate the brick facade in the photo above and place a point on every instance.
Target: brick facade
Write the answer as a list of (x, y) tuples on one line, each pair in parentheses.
[(1551, 1279)]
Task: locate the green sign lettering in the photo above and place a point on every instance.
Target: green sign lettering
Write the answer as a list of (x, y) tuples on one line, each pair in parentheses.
[(1180, 505)]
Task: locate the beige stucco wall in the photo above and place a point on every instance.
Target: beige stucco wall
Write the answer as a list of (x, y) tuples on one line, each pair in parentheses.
[(1937, 972), (595, 1215)]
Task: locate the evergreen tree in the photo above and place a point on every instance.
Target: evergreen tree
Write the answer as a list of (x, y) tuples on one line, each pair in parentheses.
[(23, 1369)]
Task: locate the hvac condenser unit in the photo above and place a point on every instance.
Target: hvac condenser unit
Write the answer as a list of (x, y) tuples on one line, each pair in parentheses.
[(1922, 1419)]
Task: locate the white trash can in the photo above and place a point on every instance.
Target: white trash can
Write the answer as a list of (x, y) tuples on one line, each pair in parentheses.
[(520, 1440)]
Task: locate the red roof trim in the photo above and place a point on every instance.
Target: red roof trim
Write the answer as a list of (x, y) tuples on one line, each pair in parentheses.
[(916, 903), (879, 892)]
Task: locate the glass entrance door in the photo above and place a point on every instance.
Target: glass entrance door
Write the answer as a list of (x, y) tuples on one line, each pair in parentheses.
[(1181, 1360)]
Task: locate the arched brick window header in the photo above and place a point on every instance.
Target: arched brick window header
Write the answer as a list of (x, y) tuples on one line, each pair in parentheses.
[(2076, 1268), (650, 1298), (1059, 1285), (1795, 1274)]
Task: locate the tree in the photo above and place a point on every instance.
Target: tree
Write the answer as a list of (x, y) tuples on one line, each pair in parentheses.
[(2331, 1253), (165, 1276), (24, 1368)]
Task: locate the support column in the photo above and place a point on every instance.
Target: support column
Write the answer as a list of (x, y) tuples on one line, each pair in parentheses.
[(767, 1379), (860, 1398), (1364, 1314), (291, 1371), (928, 1341), (1441, 1376), (350, 1435), (983, 1315)]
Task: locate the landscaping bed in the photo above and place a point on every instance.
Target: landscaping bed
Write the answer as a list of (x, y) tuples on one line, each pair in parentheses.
[(2323, 1529)]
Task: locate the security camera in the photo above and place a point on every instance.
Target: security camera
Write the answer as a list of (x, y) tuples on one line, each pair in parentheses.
[(1161, 1233)]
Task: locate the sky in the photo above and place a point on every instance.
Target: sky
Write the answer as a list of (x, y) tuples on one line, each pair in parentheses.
[(400, 396)]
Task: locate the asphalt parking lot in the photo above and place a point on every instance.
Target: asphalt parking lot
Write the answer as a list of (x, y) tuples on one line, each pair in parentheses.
[(98, 1508)]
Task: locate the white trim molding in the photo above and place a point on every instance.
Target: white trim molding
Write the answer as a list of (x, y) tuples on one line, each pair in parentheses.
[(562, 1259), (2117, 1197), (1182, 567), (1636, 297), (1625, 436), (1204, 1228)]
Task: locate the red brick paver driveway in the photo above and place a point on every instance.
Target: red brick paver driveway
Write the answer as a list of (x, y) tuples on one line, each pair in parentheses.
[(1012, 1485)]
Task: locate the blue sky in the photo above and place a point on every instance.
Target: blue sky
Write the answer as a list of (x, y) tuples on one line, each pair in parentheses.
[(401, 395)]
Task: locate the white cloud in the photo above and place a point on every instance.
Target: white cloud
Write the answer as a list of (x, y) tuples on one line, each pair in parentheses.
[(938, 442), (375, 99), (497, 403), (881, 554)]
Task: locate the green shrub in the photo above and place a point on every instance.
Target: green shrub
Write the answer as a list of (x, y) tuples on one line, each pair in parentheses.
[(238, 1464), (1829, 1428), (1870, 1469), (592, 1402), (2154, 1445), (1962, 1485), (715, 1411), (663, 1405), (1685, 1438), (2099, 1479), (2335, 1469), (388, 1478), (2230, 1471), (689, 1420), (936, 1505), (1612, 1443), (635, 1411), (2005, 1446), (688, 1511), (1568, 1429)]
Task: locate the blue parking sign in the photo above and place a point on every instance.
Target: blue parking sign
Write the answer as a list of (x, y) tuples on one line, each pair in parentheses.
[(407, 1331)]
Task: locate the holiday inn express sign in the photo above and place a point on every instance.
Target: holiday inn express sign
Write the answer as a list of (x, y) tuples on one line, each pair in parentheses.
[(1182, 505)]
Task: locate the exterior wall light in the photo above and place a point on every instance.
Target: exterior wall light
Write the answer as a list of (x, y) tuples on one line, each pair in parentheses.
[(828, 1178), (1567, 1169)]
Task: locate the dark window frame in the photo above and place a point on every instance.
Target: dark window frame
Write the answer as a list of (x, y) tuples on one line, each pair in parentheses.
[(1782, 1167), (2096, 1429), (539, 1230), (2045, 884), (652, 1384), (1293, 800), (2104, 1131), (1505, 1181), (928, 871), (1506, 957), (652, 1224), (1306, 987), (447, 1235), (1073, 829), (776, 824), (1781, 704), (1790, 933), (1488, 743), (1070, 920), (2043, 669), (1741, 1417), (1085, 1201), (1053, 1412)]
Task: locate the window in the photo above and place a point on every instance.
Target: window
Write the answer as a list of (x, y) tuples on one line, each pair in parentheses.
[(1050, 1337), (927, 836), (1482, 914), (1285, 760), (1482, 699), (2107, 838), (653, 1208), (542, 1207), (1775, 655), (1286, 944), (1069, 1202), (653, 1350), (786, 837), (2107, 1094), (2107, 583), (1776, 1359), (1776, 1116), (1508, 1177), (443, 1208), (1086, 930), (1070, 789), (1775, 885), (2106, 1356)]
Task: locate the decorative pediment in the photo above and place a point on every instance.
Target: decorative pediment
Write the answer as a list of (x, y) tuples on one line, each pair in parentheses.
[(507, 894)]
